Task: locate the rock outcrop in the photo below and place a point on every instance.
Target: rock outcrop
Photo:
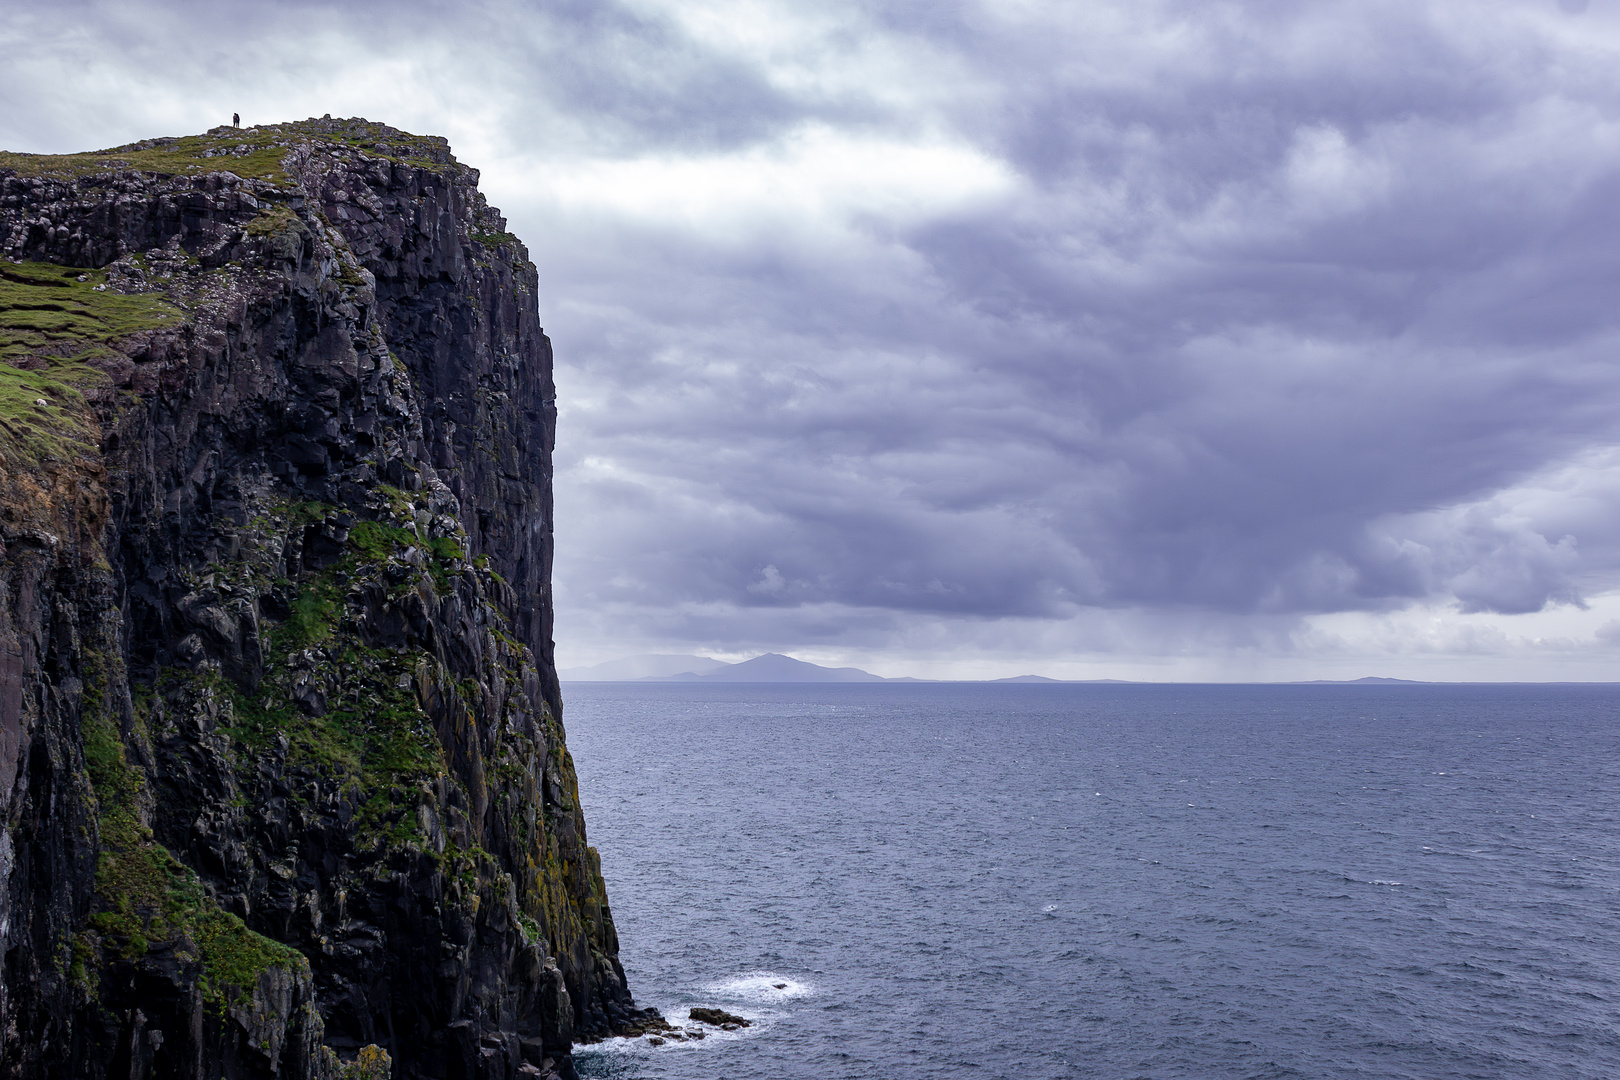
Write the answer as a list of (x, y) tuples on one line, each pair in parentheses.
[(281, 752)]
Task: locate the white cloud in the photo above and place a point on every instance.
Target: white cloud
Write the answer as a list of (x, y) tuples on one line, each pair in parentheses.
[(811, 179), (1127, 338)]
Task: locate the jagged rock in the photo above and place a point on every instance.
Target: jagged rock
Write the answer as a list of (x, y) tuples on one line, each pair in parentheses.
[(718, 1017), (281, 751)]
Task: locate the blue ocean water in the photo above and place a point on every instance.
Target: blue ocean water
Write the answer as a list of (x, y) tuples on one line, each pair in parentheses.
[(1032, 881)]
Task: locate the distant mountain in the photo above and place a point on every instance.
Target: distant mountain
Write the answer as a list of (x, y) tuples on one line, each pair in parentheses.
[(1360, 682), (629, 668), (771, 667), (774, 667)]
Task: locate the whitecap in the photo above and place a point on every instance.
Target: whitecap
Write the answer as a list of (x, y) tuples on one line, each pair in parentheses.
[(765, 987), (619, 1046)]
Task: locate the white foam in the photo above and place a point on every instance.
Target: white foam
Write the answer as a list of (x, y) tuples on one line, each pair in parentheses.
[(1380, 881), (764, 987), (624, 1047), (1049, 908)]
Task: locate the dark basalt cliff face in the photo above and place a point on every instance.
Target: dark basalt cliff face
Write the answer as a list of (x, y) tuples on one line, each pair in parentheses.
[(281, 753)]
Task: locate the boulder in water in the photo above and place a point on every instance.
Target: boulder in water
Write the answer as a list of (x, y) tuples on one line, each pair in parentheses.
[(717, 1017)]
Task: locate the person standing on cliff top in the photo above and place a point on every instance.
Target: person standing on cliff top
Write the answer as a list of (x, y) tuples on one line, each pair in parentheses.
[(236, 120)]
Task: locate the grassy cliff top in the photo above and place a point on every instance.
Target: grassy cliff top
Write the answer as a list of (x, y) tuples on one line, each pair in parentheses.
[(253, 153)]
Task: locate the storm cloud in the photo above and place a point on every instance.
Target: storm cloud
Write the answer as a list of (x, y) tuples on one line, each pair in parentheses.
[(959, 338)]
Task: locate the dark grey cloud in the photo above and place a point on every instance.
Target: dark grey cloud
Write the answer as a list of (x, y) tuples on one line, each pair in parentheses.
[(1153, 330)]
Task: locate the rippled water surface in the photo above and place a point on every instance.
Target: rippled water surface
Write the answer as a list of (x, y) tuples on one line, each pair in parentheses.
[(1034, 881)]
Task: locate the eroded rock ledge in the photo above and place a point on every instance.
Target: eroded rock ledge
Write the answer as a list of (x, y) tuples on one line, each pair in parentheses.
[(281, 751)]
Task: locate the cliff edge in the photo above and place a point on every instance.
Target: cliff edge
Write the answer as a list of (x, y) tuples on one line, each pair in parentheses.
[(281, 750)]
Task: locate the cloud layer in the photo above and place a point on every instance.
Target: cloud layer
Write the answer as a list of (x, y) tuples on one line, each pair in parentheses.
[(1133, 333)]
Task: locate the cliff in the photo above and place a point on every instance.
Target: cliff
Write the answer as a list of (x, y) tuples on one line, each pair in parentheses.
[(281, 751)]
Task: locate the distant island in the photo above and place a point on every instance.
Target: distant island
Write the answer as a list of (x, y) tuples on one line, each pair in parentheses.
[(777, 668), (771, 668)]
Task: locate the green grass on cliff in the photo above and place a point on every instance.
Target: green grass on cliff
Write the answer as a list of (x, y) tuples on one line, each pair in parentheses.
[(250, 157), (493, 239), (374, 541), (254, 153), (47, 312), (51, 323), (145, 894), (56, 429), (275, 219), (372, 734), (373, 731)]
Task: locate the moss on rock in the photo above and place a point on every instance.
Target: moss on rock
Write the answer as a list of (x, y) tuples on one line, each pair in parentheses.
[(144, 894)]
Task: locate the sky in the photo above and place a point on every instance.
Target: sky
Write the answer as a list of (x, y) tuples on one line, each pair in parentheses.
[(1158, 340)]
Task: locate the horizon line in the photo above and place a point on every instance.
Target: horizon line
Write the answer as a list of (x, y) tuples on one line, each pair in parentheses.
[(1022, 680)]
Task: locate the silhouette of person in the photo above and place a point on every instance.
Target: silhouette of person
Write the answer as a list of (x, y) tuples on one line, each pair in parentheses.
[(236, 119)]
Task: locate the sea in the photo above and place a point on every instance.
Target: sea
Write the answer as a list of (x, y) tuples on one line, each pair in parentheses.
[(953, 881)]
